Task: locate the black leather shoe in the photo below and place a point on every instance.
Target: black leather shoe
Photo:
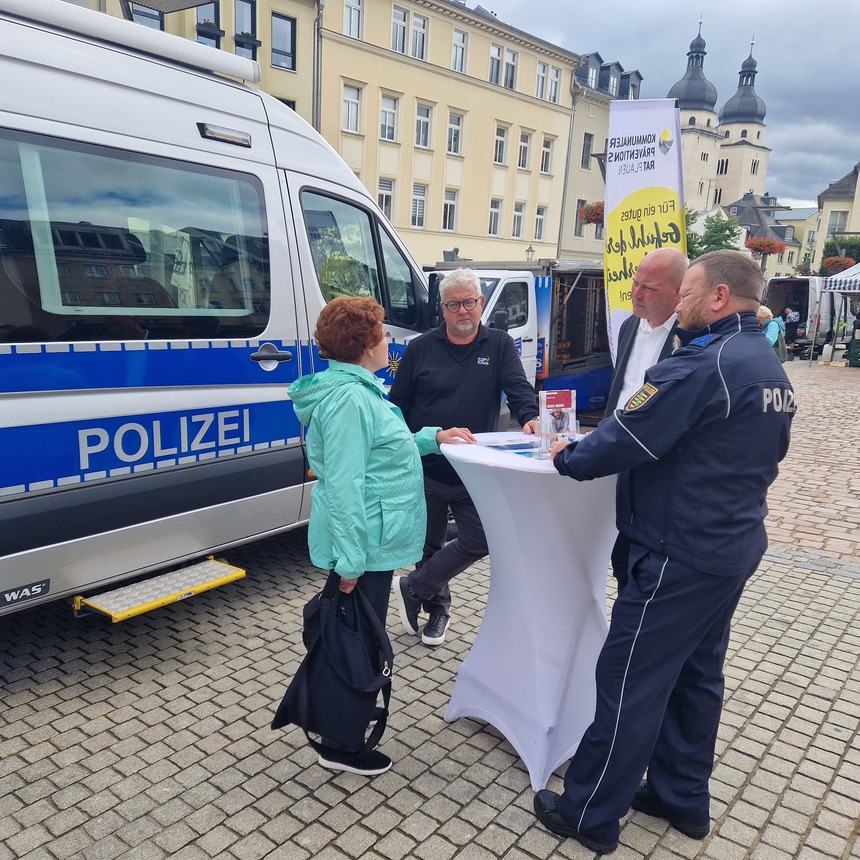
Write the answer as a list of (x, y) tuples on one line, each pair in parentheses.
[(645, 801), (551, 818), (408, 604)]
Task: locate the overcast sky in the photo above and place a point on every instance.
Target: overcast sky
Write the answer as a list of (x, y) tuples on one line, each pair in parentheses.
[(808, 56)]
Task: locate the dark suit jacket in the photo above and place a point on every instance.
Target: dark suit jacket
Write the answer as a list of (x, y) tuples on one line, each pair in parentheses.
[(626, 336)]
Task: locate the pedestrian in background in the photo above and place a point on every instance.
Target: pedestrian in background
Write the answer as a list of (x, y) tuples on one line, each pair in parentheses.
[(697, 448)]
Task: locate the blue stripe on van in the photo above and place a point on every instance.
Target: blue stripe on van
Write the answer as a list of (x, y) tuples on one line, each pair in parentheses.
[(65, 453), (138, 364)]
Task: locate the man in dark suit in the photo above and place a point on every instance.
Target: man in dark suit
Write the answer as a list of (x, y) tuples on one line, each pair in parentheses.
[(645, 338)]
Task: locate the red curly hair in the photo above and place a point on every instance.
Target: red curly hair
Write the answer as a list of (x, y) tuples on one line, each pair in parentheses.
[(347, 326)]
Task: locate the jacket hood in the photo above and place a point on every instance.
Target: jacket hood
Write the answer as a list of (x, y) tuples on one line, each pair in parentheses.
[(308, 392)]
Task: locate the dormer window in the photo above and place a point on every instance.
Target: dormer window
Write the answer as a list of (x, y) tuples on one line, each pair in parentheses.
[(592, 77), (613, 85)]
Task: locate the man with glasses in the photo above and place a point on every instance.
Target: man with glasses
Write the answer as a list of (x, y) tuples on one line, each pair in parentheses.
[(452, 376)]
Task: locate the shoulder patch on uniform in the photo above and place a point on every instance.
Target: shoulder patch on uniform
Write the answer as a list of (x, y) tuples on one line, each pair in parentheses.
[(641, 397), (704, 340)]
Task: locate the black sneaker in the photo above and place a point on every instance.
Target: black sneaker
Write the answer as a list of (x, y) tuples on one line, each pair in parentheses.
[(434, 630), (370, 763), (408, 603), (647, 802)]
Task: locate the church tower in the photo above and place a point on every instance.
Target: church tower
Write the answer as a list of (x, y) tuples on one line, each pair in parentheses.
[(743, 157), (700, 140)]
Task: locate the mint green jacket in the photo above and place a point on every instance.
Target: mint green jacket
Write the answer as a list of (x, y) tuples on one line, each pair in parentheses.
[(367, 506)]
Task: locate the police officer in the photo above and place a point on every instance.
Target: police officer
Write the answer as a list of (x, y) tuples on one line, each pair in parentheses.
[(697, 448)]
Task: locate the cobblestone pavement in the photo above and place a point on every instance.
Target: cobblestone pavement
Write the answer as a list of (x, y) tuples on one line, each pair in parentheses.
[(150, 738)]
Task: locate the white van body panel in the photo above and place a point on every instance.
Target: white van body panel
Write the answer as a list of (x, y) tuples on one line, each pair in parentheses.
[(120, 456)]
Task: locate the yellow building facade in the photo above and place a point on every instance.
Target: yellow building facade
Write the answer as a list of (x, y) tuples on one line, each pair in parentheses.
[(458, 124)]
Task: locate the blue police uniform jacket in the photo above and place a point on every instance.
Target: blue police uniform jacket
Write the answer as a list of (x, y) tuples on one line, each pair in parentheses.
[(697, 448)]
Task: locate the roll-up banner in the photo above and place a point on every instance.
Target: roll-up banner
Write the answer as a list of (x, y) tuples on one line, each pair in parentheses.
[(644, 196)]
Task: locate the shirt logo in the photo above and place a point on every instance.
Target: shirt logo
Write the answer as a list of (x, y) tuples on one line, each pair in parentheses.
[(484, 359), (641, 397), (704, 340)]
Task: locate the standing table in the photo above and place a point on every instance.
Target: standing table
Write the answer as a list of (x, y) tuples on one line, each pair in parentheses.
[(530, 672)]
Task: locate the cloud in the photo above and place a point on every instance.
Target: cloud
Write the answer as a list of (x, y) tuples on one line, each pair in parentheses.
[(808, 61)]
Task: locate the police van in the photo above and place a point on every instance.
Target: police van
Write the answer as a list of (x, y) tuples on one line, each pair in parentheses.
[(168, 236)]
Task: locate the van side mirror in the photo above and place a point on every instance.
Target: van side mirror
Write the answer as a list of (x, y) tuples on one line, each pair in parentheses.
[(433, 280), (500, 320)]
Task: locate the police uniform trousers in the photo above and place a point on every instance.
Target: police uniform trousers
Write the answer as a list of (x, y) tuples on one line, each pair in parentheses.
[(659, 696)]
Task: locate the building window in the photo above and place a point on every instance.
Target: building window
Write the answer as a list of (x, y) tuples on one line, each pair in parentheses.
[(419, 199), (419, 37), (525, 146), (458, 51), (351, 107), (455, 130), (754, 167), (422, 126), (790, 257), (718, 196), (633, 93), (495, 217), (499, 145), (613, 85), (780, 256), (540, 223), (388, 118), (495, 64), (246, 18), (147, 17), (837, 222), (106, 297), (554, 84), (722, 167), (283, 42), (540, 80), (517, 224), (399, 19), (789, 235), (546, 156), (578, 224), (209, 24), (743, 133), (385, 196), (144, 298), (449, 210), (704, 156), (592, 77), (352, 18), (96, 271), (510, 79), (692, 121), (587, 147), (598, 231), (70, 297)]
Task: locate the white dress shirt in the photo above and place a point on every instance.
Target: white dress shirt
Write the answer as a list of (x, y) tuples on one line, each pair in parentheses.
[(647, 344)]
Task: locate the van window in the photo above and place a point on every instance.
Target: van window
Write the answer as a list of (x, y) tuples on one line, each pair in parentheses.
[(100, 244), (354, 256)]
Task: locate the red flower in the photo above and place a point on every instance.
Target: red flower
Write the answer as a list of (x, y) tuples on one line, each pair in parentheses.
[(833, 265), (765, 246), (592, 213)]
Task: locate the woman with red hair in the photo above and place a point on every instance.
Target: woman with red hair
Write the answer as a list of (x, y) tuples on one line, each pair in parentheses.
[(368, 515)]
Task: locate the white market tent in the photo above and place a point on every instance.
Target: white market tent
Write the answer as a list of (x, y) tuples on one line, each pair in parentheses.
[(847, 284)]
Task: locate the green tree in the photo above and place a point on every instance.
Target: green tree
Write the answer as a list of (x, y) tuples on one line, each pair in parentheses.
[(694, 240), (720, 233)]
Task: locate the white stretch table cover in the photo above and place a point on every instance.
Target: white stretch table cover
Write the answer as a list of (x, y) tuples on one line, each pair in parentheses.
[(530, 672)]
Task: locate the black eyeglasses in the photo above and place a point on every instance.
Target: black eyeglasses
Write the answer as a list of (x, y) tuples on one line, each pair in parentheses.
[(468, 304)]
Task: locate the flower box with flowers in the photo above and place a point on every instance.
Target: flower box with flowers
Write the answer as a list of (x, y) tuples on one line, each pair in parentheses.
[(592, 213)]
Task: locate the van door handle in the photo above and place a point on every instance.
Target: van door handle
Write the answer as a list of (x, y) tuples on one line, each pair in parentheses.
[(527, 339), (269, 356)]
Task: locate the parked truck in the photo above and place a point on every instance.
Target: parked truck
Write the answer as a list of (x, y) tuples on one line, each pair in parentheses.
[(556, 312)]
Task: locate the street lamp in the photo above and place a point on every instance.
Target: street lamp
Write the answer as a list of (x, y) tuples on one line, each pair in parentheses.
[(530, 253)]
